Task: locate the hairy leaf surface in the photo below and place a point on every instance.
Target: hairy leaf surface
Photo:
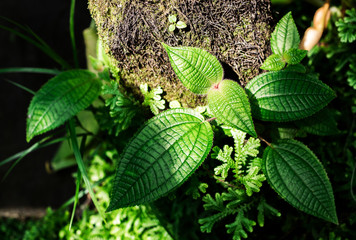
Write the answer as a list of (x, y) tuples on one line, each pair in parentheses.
[(160, 157), (286, 96), (196, 68), (60, 99), (229, 103), (285, 36), (296, 174), (294, 55), (273, 63)]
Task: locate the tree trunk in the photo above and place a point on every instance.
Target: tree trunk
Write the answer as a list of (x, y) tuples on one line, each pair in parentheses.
[(237, 32)]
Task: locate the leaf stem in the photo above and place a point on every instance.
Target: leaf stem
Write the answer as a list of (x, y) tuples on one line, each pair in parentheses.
[(265, 141)]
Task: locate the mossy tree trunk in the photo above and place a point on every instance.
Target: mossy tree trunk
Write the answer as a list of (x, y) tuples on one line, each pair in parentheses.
[(237, 32)]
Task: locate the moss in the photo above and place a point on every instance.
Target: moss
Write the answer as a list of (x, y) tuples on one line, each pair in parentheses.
[(234, 31)]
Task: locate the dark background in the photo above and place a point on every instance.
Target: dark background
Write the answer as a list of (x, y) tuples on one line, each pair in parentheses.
[(29, 185)]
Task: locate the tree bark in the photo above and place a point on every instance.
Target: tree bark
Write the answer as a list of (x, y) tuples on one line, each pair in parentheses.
[(237, 32)]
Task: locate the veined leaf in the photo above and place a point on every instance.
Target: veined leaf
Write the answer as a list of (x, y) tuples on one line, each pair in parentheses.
[(60, 99), (294, 56), (286, 96), (273, 63), (196, 68), (229, 104), (160, 157), (296, 68), (285, 36), (296, 174)]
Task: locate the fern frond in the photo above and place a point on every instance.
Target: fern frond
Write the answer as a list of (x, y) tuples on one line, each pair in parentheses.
[(239, 226), (252, 181), (351, 75), (235, 197), (213, 204), (225, 157), (122, 109), (347, 26), (207, 223), (153, 98)]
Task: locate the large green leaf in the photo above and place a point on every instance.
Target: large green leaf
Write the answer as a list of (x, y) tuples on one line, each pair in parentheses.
[(196, 68), (229, 104), (285, 36), (160, 157), (296, 174), (286, 96), (60, 99)]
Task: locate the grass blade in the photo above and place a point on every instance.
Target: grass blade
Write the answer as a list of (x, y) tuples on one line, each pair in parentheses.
[(76, 198), (71, 31), (30, 70), (38, 42), (81, 166), (22, 87)]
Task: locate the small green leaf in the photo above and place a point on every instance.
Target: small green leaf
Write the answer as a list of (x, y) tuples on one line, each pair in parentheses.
[(172, 18), (196, 68), (181, 25), (287, 96), (296, 174), (60, 99), (160, 157), (294, 56), (172, 27), (273, 63), (296, 68), (285, 36), (229, 104)]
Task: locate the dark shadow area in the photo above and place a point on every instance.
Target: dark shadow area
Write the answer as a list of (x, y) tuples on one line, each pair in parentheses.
[(29, 185)]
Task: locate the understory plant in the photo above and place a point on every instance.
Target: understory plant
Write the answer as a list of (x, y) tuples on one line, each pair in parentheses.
[(222, 154)]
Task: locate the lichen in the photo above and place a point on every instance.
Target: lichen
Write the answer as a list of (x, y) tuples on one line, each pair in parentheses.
[(235, 31)]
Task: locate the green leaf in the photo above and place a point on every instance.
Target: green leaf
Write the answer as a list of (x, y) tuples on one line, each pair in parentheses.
[(347, 26), (160, 157), (181, 25), (351, 75), (273, 63), (296, 174), (286, 96), (172, 27), (296, 68), (229, 104), (294, 56), (196, 68), (60, 99), (172, 18), (285, 36)]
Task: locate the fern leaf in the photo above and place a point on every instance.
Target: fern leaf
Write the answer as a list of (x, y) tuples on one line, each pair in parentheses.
[(153, 98), (207, 223), (234, 196), (239, 226), (347, 26), (213, 204), (225, 157), (351, 76)]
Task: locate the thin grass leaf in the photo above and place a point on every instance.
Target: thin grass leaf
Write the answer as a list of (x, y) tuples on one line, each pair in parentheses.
[(19, 156), (37, 42), (76, 198), (77, 184), (72, 36), (81, 166), (21, 86), (30, 70)]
